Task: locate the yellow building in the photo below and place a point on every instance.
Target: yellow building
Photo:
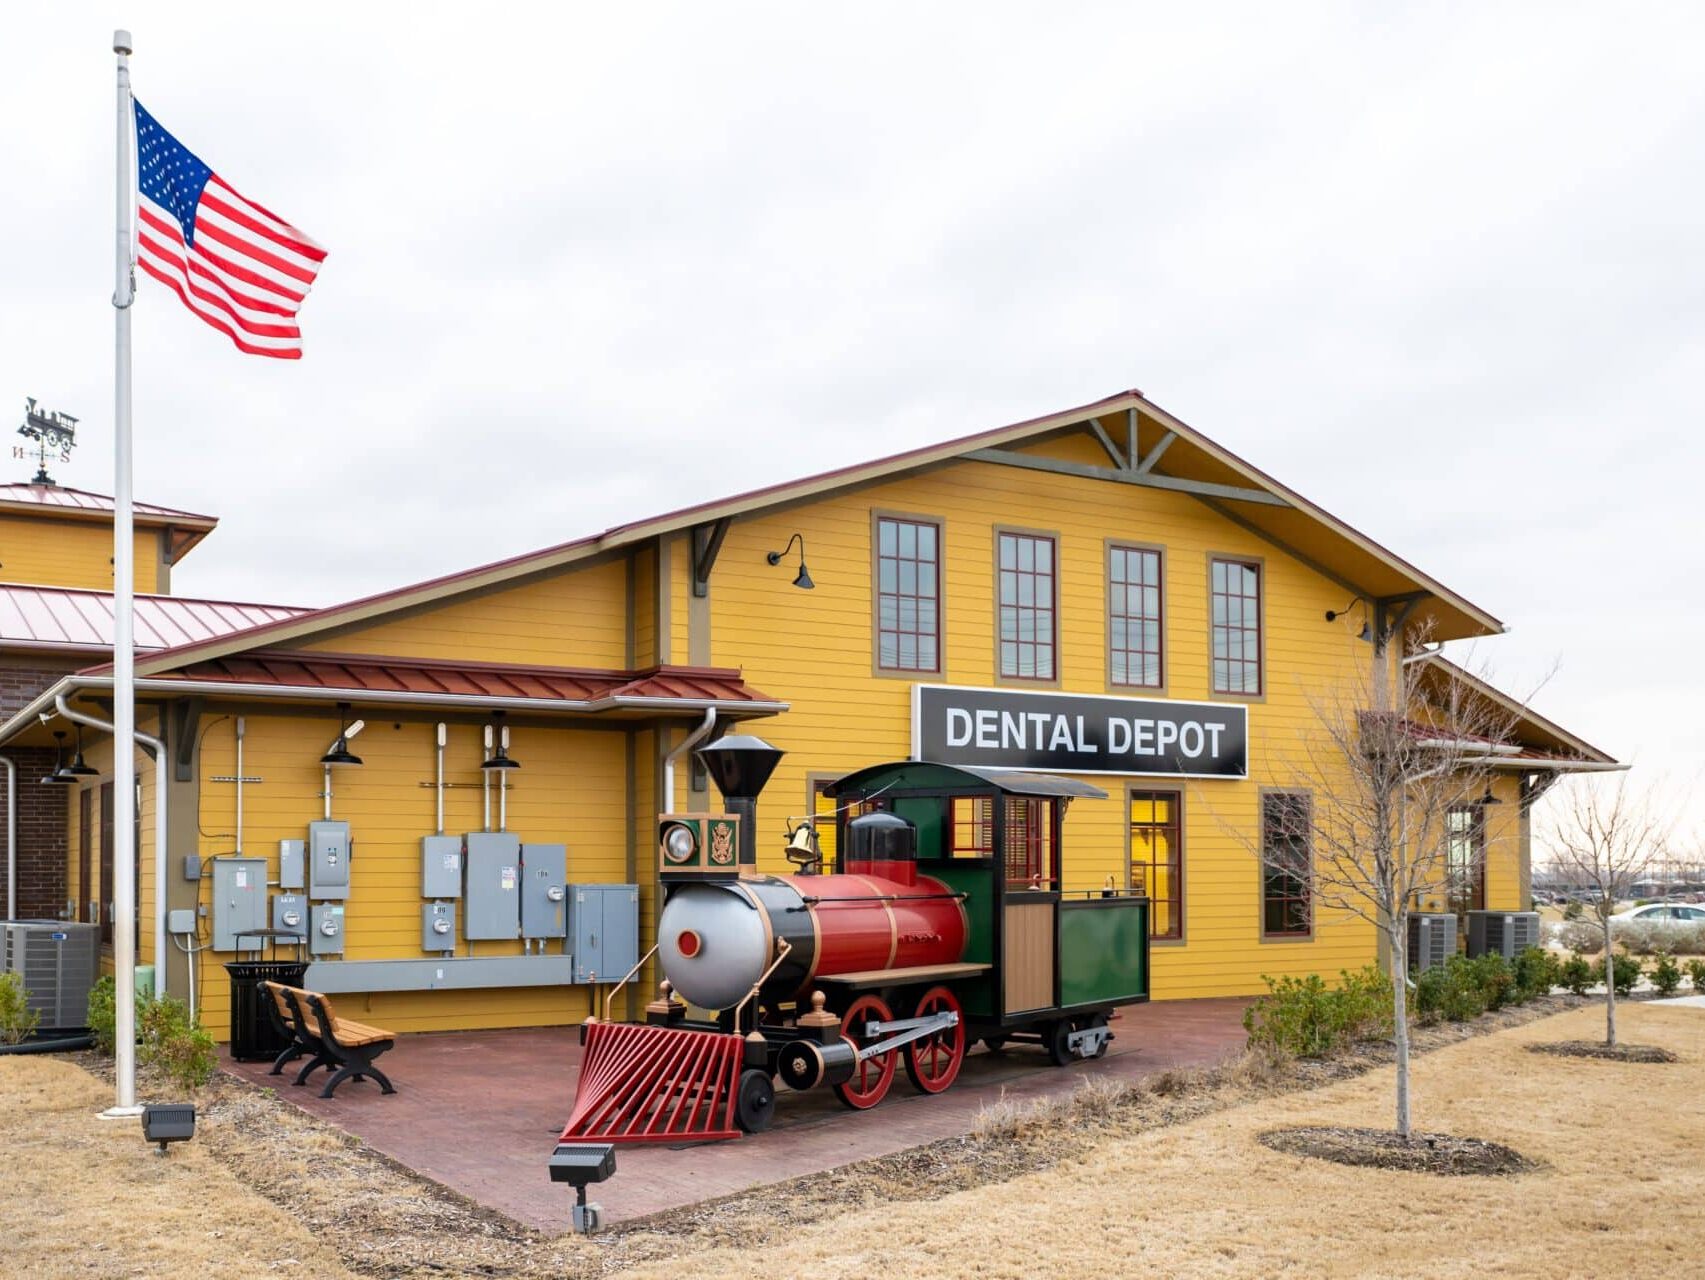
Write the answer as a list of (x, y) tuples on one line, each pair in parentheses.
[(1103, 592)]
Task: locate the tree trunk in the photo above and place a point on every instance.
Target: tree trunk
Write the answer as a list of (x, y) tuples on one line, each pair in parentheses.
[(1609, 984), (1400, 1027)]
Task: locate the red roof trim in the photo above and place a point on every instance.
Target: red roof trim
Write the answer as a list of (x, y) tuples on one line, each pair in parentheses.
[(48, 495)]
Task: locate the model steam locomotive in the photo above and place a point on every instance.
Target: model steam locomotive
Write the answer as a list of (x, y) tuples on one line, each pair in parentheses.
[(941, 921)]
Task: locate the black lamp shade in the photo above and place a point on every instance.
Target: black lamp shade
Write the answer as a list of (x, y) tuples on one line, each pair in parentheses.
[(501, 761), (340, 754), (740, 764), (803, 581)]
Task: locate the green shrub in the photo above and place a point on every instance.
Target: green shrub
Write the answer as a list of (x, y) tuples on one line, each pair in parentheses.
[(102, 1014), (1496, 980), (1577, 973), (1454, 990), (17, 1020), (1666, 974), (1696, 971), (1573, 910), (1537, 971), (1304, 1018), (173, 1043), (1625, 971)]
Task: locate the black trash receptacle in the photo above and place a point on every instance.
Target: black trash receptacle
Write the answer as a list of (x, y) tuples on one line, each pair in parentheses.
[(254, 1037)]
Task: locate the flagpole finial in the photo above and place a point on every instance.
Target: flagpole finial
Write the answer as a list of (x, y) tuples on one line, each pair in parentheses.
[(121, 42)]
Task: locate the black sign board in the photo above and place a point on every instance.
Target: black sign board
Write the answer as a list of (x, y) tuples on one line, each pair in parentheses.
[(1079, 733)]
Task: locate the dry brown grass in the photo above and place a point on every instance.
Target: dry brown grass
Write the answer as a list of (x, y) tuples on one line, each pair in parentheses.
[(82, 1196), (1618, 1194)]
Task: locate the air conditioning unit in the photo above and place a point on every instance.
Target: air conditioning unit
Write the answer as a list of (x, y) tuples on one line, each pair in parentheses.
[(59, 961), (1502, 933), (1432, 939)]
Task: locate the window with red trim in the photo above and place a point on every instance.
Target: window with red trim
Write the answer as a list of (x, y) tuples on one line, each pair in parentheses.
[(908, 595), (1236, 601), (1157, 859), (1029, 842), (1286, 864), (1133, 618), (1026, 606)]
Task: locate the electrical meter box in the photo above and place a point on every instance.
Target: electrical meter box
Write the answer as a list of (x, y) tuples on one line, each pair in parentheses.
[(328, 859), (441, 866), (239, 901), (544, 891), (325, 937), (492, 900), (603, 922), (438, 926), (290, 863), (290, 914)]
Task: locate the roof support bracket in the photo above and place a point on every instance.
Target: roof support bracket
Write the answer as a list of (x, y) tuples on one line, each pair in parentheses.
[(1153, 455), (1534, 785), (1201, 488), (1389, 615), (707, 542), (185, 718), (1107, 444)]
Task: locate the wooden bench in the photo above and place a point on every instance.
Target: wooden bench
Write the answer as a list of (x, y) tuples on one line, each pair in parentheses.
[(315, 1029)]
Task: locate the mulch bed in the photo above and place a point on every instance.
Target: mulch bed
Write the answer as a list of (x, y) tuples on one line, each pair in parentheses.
[(1610, 1052), (1439, 1153)]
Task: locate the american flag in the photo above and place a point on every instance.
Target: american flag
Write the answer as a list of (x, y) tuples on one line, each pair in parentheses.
[(238, 266)]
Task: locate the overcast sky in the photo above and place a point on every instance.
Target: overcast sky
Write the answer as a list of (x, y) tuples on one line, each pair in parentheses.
[(1439, 267)]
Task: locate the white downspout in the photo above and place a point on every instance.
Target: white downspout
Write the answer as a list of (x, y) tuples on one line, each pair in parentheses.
[(240, 730), (158, 748), (11, 837), (692, 740)]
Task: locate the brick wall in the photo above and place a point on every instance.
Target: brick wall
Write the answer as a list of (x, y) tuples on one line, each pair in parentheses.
[(43, 879)]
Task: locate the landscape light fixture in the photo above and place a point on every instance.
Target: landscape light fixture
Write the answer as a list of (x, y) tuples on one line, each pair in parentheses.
[(499, 759), (168, 1122), (339, 753), (802, 579), (77, 768), (59, 777), (579, 1164)]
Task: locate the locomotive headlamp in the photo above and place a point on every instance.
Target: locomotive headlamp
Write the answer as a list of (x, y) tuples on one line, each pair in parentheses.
[(680, 843)]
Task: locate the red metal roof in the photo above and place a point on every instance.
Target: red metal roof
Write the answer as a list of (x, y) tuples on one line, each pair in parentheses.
[(57, 495), (485, 681), (64, 618)]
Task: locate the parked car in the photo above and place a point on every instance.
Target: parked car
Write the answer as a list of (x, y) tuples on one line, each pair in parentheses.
[(1658, 911)]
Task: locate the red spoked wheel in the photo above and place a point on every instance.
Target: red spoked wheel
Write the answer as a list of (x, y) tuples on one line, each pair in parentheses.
[(872, 1076), (933, 1062)]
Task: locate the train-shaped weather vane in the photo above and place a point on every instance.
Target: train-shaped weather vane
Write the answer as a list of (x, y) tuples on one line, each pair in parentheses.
[(54, 433)]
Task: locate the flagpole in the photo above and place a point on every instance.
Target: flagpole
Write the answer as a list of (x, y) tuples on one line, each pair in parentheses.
[(123, 648)]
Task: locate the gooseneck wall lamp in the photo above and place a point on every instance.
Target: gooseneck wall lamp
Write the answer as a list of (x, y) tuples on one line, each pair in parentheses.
[(802, 579), (1332, 615)]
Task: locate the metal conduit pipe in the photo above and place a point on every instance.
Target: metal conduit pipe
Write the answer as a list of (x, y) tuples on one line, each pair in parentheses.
[(240, 731), (11, 837), (692, 740), (442, 736), (158, 750), (485, 784)]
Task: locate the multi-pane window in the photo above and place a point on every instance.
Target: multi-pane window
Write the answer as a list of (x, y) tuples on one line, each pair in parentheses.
[(1133, 617), (1157, 860), (1029, 841), (1286, 820), (1026, 572), (1236, 598), (908, 595), (1465, 858), (971, 827)]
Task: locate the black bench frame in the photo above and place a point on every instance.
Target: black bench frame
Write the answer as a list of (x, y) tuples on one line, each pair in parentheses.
[(303, 1042), (357, 1060)]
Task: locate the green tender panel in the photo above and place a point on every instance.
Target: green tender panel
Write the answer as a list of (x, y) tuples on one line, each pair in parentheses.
[(926, 813), (1104, 950), (977, 883)]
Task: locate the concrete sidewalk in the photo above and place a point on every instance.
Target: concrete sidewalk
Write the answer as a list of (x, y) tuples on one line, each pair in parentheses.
[(480, 1111)]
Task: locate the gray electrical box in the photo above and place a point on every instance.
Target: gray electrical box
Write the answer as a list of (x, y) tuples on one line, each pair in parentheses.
[(441, 866), (180, 921), (290, 914), (328, 859), (603, 921), (544, 891), (239, 901), (325, 937), (290, 860), (438, 926), (493, 896)]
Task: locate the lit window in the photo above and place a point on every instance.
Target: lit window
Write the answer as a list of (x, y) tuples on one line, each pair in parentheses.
[(1157, 860)]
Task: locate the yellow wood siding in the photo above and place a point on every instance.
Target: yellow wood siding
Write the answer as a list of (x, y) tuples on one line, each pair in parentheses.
[(815, 650), (645, 607), (577, 618), (72, 553)]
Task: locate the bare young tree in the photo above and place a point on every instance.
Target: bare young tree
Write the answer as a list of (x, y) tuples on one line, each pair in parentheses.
[(1388, 769), (1607, 835)]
